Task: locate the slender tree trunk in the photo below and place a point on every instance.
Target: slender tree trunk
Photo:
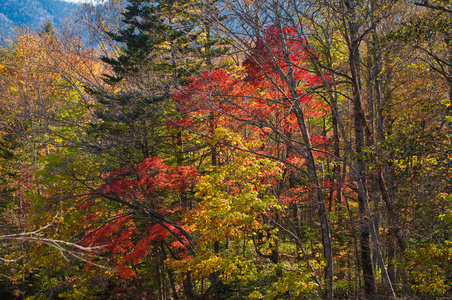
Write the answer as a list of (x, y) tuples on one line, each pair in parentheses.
[(337, 185), (312, 171), (170, 274), (188, 287), (391, 256), (321, 207), (359, 127), (214, 162)]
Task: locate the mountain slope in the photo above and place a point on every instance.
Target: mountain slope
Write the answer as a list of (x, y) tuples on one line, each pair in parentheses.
[(31, 13)]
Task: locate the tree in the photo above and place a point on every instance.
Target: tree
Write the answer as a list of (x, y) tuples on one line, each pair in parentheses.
[(319, 140), (344, 32), (270, 99)]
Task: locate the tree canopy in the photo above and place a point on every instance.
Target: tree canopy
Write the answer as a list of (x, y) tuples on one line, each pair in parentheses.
[(228, 150)]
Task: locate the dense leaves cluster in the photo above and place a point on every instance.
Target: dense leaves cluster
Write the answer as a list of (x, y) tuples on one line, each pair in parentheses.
[(229, 150)]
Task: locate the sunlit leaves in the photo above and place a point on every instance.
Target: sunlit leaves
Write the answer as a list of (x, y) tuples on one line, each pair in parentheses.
[(428, 267)]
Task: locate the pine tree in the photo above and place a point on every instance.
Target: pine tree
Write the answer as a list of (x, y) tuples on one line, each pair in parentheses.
[(161, 46)]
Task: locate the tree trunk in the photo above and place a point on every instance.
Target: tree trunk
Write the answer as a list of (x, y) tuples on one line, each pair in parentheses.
[(359, 127), (312, 171)]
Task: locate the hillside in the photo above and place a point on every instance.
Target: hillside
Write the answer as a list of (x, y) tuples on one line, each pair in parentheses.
[(31, 13)]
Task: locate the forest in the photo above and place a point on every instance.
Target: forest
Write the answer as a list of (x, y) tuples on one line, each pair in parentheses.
[(229, 149), (33, 13)]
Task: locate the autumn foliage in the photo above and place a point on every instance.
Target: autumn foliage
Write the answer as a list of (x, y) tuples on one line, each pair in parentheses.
[(291, 152)]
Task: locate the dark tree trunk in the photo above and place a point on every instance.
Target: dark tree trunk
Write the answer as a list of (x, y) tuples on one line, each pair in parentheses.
[(359, 128)]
